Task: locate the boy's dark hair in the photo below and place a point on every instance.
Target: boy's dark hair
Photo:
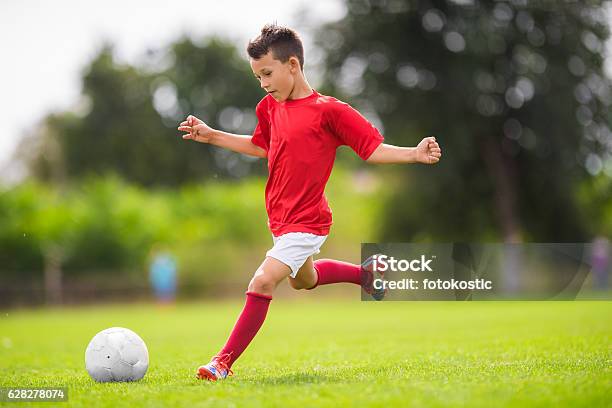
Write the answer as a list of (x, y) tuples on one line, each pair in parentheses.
[(283, 41)]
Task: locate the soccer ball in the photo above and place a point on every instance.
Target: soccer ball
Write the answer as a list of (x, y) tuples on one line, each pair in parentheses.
[(116, 354)]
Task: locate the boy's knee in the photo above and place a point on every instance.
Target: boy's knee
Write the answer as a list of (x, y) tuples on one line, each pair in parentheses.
[(262, 284), (296, 284)]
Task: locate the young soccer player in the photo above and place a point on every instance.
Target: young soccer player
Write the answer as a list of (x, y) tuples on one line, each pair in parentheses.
[(298, 131)]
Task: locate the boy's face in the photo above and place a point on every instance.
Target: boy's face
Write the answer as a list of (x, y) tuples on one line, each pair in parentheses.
[(275, 77)]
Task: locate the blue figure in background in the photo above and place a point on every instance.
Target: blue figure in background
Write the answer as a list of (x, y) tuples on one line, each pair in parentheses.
[(162, 275), (600, 260)]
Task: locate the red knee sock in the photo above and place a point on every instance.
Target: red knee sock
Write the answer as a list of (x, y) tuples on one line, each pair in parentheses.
[(246, 327), (331, 271)]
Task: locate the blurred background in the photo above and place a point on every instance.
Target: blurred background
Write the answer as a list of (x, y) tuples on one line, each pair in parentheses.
[(101, 199)]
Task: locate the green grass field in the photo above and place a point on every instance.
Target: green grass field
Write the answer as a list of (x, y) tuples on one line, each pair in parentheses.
[(315, 352)]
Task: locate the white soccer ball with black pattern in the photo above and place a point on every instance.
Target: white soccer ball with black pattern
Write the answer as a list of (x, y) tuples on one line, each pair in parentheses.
[(116, 354)]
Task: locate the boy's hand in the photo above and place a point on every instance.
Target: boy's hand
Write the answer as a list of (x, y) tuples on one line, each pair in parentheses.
[(428, 151), (196, 130)]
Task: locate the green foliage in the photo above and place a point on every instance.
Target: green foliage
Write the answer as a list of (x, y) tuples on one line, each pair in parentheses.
[(594, 197), (103, 226), (128, 118), (514, 92)]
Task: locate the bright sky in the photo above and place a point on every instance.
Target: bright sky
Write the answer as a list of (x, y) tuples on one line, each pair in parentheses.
[(46, 44)]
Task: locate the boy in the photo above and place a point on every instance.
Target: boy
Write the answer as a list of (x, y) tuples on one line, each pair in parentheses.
[(298, 131)]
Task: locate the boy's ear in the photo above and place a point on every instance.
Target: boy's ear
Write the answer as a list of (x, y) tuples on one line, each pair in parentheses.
[(294, 64)]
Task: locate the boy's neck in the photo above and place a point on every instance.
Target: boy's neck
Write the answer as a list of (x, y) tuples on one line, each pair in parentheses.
[(301, 89)]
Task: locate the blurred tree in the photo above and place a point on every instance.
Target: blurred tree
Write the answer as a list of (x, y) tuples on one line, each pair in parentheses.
[(515, 93), (126, 122)]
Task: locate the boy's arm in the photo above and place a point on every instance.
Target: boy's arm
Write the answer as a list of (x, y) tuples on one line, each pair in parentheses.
[(200, 132), (427, 152), (237, 143)]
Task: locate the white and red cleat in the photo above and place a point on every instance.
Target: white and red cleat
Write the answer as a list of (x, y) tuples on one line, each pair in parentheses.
[(217, 369), (368, 275)]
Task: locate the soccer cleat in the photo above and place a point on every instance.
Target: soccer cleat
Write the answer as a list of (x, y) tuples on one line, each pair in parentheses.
[(217, 369), (368, 275)]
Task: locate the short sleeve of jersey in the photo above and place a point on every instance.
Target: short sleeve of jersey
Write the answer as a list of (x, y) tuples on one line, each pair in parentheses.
[(352, 129), (261, 134)]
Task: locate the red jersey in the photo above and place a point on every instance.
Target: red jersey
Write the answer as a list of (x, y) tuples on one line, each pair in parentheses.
[(301, 137)]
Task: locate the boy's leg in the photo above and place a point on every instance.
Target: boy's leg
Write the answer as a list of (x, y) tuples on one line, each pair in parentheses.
[(324, 272), (331, 271), (259, 294), (327, 271), (306, 277)]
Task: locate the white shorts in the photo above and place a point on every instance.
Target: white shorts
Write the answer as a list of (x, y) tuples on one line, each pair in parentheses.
[(293, 248)]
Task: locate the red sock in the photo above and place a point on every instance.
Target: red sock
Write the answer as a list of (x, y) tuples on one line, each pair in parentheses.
[(246, 327), (331, 271)]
